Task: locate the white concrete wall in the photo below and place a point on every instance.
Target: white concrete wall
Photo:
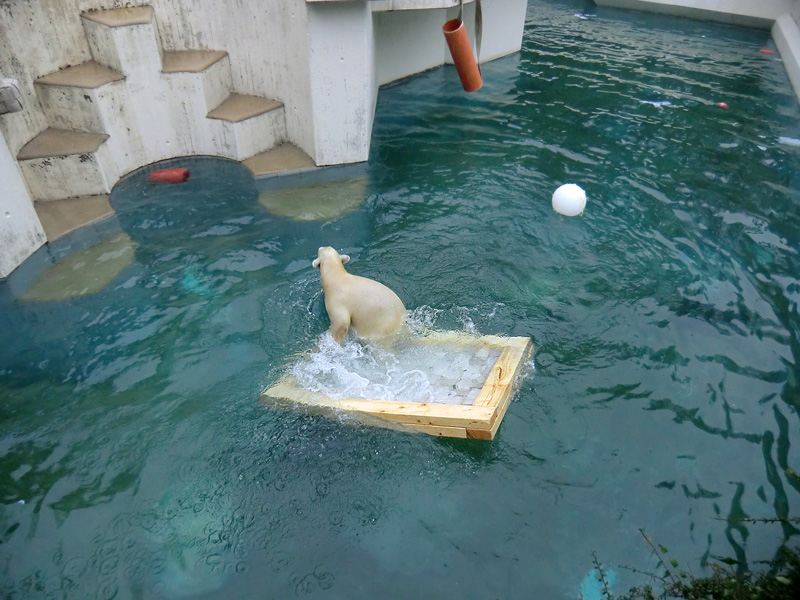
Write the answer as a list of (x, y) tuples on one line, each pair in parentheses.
[(20, 231), (411, 41), (266, 41), (408, 42), (786, 33), (503, 24), (750, 13)]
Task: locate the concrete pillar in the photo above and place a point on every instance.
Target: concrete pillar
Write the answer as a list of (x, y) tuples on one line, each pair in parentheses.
[(786, 33), (21, 232), (344, 86)]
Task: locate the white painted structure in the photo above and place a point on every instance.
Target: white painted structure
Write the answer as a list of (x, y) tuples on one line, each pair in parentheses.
[(20, 230), (165, 78)]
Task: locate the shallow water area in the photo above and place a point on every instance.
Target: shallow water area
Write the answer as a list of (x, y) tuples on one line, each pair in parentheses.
[(136, 461)]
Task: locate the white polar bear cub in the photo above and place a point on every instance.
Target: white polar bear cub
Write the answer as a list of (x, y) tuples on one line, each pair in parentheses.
[(370, 307)]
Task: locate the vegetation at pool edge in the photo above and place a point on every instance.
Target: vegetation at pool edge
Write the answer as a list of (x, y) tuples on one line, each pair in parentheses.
[(780, 582)]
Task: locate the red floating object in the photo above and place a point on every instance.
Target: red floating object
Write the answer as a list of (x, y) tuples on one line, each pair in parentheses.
[(169, 176), (722, 105), (765, 51)]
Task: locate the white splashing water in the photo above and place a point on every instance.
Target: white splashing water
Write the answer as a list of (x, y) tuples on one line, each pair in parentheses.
[(410, 367)]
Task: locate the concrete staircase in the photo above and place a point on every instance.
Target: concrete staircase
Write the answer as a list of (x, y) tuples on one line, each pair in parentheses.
[(133, 104)]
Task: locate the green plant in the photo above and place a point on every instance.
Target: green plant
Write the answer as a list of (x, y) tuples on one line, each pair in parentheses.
[(780, 582)]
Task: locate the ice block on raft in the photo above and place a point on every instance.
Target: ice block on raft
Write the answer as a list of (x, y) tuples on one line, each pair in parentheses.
[(479, 418)]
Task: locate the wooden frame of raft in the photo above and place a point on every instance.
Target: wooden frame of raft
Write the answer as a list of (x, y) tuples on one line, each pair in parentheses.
[(480, 420)]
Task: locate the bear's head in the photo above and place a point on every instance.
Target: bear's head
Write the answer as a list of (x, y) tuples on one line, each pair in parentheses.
[(327, 255)]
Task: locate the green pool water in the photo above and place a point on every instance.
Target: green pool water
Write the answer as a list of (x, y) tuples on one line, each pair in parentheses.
[(137, 462)]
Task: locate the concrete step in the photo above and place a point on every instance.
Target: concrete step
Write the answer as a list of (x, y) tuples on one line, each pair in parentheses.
[(124, 39), (286, 158), (74, 98), (60, 163), (203, 73), (121, 17), (239, 107), (190, 61), (196, 80), (59, 217), (246, 125)]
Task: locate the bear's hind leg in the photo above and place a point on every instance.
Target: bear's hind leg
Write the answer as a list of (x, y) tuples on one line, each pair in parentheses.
[(340, 323)]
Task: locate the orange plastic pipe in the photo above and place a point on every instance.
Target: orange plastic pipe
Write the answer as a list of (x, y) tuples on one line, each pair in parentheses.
[(457, 40), (169, 176)]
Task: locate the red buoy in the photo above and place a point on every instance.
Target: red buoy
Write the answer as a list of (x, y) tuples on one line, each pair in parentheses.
[(169, 176), (765, 51)]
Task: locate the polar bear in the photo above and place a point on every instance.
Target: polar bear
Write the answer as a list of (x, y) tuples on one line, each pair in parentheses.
[(370, 307)]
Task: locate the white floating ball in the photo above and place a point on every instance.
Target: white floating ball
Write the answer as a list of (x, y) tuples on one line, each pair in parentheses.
[(569, 200)]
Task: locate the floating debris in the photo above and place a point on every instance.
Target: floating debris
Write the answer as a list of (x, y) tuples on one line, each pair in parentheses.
[(657, 103)]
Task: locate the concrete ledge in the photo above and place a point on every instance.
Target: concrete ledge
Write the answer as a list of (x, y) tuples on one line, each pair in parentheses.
[(238, 107), (61, 142), (390, 5), (284, 158), (89, 75), (190, 61), (311, 176), (786, 34), (121, 17), (760, 14), (59, 217)]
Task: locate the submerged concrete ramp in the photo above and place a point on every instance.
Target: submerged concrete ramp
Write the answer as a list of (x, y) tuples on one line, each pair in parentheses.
[(749, 13), (782, 17)]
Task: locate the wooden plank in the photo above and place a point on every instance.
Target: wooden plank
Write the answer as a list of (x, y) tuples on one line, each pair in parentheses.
[(413, 413), (440, 431), (500, 412), (481, 434), (498, 383), (478, 421), (451, 415)]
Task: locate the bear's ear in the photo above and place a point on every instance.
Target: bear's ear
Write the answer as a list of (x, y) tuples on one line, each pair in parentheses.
[(345, 258), (315, 263)]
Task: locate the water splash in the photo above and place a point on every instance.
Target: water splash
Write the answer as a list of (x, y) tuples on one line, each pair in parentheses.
[(409, 367)]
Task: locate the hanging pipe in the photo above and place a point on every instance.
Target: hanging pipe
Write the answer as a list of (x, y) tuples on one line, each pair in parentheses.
[(455, 33)]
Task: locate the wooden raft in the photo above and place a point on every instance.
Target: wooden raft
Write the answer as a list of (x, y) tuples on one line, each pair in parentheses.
[(480, 420)]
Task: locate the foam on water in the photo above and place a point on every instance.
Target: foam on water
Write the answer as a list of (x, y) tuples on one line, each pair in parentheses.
[(411, 367)]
